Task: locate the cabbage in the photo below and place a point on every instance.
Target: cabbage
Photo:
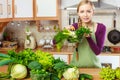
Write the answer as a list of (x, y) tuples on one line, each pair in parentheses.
[(18, 71), (71, 73)]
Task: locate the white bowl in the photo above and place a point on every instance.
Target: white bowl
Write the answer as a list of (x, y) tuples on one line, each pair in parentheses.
[(41, 42)]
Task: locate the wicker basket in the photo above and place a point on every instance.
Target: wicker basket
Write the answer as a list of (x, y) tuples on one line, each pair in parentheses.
[(7, 45)]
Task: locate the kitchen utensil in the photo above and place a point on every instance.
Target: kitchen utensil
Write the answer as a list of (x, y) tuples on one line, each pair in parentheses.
[(69, 20), (106, 49), (41, 42), (29, 41), (114, 35)]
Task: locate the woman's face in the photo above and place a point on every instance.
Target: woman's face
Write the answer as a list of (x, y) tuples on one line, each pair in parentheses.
[(85, 13)]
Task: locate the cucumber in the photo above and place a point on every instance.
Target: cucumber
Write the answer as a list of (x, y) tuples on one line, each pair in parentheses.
[(2, 55), (5, 61), (84, 76), (81, 78)]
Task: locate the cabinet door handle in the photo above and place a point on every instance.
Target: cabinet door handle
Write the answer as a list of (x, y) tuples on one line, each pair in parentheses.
[(9, 9), (15, 9), (36, 9), (1, 9)]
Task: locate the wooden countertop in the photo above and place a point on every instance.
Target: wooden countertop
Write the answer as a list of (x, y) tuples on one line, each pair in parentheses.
[(93, 71), (68, 50), (65, 51)]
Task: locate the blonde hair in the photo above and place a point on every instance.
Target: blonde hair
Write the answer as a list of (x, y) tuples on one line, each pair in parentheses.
[(82, 3)]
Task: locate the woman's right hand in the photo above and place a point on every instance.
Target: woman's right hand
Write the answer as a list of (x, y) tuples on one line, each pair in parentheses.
[(87, 35), (72, 28)]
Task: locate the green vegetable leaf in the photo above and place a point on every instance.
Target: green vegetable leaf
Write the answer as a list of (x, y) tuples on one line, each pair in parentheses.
[(45, 59), (53, 77), (60, 66), (81, 31), (34, 65), (71, 36), (2, 55), (5, 61)]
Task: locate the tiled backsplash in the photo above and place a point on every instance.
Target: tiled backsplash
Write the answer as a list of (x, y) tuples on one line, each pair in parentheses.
[(16, 30)]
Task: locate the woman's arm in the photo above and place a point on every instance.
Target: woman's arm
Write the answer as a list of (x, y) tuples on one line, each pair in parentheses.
[(100, 37)]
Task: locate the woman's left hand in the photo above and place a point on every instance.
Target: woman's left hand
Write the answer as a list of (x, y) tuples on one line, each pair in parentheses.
[(87, 35)]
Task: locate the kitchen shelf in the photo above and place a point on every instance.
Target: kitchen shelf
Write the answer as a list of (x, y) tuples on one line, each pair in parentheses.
[(109, 54)]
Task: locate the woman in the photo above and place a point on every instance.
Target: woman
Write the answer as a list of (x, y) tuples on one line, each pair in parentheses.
[(92, 44)]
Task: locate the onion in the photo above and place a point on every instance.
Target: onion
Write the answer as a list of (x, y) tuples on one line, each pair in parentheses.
[(18, 71)]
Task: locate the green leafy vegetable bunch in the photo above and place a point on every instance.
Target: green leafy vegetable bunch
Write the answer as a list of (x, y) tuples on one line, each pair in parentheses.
[(45, 59), (71, 36), (23, 57), (38, 65)]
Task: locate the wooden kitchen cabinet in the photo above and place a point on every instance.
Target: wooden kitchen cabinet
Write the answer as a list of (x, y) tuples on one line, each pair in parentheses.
[(5, 10), (30, 10), (9, 9), (47, 9), (23, 9)]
